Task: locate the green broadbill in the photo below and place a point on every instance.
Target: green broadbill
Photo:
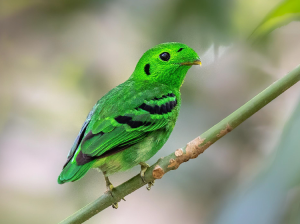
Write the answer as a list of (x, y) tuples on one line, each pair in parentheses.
[(128, 125)]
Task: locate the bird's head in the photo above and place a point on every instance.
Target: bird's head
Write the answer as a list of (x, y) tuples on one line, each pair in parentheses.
[(166, 63)]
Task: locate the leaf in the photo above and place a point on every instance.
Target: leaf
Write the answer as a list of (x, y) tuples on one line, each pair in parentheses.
[(284, 13)]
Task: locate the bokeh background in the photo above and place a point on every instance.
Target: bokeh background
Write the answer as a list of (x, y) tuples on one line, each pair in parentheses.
[(57, 58)]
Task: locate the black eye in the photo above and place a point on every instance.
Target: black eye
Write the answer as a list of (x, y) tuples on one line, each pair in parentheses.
[(147, 69), (165, 56)]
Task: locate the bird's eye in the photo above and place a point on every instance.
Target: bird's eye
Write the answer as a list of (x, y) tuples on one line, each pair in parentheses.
[(147, 69), (165, 56)]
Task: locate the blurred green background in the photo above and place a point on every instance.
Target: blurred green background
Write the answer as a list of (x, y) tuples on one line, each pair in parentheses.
[(57, 58)]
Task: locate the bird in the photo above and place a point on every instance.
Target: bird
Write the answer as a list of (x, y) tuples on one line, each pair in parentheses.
[(132, 122)]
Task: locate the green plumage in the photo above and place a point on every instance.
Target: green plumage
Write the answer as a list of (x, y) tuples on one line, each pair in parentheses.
[(134, 120)]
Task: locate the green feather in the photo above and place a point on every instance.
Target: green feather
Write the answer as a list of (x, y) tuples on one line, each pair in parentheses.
[(73, 172), (134, 120)]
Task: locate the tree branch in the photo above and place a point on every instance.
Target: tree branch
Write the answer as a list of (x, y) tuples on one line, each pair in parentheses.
[(190, 151)]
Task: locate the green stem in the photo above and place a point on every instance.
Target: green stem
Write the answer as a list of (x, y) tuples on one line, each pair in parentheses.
[(192, 149)]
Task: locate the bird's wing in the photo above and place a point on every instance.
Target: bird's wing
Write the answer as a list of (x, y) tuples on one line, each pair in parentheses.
[(80, 135), (124, 118)]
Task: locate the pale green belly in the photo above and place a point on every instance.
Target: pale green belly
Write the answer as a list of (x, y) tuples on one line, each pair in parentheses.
[(140, 152)]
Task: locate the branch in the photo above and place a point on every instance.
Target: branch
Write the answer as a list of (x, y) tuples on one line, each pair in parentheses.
[(190, 151)]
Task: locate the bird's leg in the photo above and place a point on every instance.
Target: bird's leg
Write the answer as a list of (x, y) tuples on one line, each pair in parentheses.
[(144, 167), (110, 188), (109, 185)]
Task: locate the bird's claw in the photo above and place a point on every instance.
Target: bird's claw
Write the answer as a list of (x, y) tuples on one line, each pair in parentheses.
[(144, 167), (150, 184), (110, 188), (114, 205)]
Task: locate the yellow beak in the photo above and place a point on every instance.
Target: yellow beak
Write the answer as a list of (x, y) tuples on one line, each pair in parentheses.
[(197, 62)]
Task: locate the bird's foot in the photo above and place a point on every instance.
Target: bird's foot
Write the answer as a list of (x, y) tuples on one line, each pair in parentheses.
[(144, 167), (110, 188), (150, 184)]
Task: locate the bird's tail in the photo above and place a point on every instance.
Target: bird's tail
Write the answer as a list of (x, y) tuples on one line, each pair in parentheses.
[(72, 172)]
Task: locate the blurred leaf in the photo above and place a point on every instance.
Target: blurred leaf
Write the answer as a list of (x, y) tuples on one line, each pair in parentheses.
[(284, 13)]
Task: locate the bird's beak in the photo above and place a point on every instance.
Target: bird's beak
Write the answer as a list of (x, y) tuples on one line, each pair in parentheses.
[(196, 62)]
